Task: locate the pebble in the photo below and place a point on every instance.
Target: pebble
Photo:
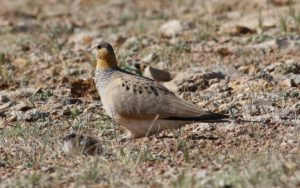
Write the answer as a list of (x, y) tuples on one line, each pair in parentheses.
[(264, 45), (294, 77), (150, 58), (130, 42), (2, 114), (7, 105), (289, 66), (79, 144), (83, 37), (24, 106), (92, 108), (287, 83), (4, 99), (72, 101), (66, 112), (35, 115), (171, 28), (20, 62)]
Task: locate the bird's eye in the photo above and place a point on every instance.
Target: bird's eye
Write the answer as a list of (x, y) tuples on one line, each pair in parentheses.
[(99, 47)]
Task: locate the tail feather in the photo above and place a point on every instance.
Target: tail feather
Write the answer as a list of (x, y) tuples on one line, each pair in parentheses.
[(207, 117)]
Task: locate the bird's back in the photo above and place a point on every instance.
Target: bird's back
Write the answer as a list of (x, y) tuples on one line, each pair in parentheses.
[(134, 96)]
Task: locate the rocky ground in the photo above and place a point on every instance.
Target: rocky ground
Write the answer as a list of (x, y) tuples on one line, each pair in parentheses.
[(229, 56)]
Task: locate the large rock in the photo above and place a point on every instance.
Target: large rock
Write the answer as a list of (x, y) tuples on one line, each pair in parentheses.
[(191, 82), (157, 74)]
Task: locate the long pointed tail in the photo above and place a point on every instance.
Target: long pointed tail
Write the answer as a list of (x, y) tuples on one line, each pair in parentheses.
[(207, 117), (211, 117)]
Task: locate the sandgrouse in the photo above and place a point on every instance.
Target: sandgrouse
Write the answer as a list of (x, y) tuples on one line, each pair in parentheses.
[(141, 105)]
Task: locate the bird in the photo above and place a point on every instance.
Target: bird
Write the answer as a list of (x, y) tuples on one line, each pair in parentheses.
[(141, 105)]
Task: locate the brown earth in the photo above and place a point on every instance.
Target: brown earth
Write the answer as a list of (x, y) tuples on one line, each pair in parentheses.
[(240, 58)]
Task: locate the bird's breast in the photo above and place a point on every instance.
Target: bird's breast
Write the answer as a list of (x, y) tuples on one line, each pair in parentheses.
[(109, 105)]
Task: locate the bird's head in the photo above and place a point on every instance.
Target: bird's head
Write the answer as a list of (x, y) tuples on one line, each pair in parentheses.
[(105, 55)]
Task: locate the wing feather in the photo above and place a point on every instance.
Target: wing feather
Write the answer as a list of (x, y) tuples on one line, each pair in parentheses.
[(150, 98)]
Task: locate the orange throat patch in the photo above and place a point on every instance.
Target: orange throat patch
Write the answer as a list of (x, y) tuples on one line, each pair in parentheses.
[(106, 63)]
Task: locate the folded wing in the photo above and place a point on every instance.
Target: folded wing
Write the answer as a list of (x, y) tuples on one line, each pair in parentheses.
[(150, 99)]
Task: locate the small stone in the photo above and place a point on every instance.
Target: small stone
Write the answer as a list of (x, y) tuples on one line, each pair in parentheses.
[(162, 65), (271, 67), (24, 106), (2, 114), (7, 105), (48, 169), (157, 74), (287, 83), (72, 101), (223, 88), (289, 66), (4, 99), (92, 108), (117, 39), (12, 118), (241, 30), (171, 28), (265, 76), (281, 2), (287, 42), (67, 112), (294, 77), (83, 37), (246, 69), (265, 45), (291, 142), (224, 52), (2, 164), (295, 150), (213, 75), (20, 62), (217, 6), (54, 112), (35, 115), (253, 109), (80, 144), (225, 108), (150, 58), (38, 90), (130, 42), (214, 81), (283, 145)]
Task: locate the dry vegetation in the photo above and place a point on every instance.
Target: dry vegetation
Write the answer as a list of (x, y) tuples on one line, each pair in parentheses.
[(239, 57)]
